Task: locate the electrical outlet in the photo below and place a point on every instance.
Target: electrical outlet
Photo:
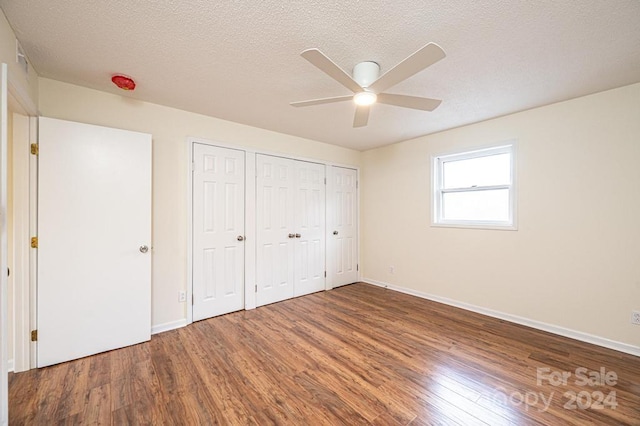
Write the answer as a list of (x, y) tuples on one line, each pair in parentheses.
[(392, 269), (182, 296), (635, 317)]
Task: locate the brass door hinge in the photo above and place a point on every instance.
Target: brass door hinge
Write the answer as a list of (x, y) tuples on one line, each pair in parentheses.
[(34, 335), (34, 242), (35, 149)]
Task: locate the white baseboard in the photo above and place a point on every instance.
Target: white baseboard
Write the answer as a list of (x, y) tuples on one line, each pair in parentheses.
[(168, 326), (561, 331), (10, 366)]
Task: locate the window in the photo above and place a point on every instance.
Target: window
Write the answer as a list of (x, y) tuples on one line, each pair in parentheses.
[(475, 189)]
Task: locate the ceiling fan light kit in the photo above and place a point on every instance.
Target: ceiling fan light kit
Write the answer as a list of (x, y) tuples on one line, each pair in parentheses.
[(368, 86), (365, 98)]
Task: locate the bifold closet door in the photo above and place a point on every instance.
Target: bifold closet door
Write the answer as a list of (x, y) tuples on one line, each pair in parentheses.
[(218, 230), (275, 229), (309, 225), (290, 203)]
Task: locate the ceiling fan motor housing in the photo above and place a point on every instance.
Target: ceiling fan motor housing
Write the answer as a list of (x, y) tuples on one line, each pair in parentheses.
[(366, 73)]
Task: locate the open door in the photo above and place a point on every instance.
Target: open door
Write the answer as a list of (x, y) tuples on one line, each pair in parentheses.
[(94, 240)]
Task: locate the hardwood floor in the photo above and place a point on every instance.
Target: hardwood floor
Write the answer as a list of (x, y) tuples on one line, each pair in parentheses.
[(354, 355)]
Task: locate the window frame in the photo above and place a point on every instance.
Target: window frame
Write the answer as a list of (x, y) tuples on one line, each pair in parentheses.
[(438, 192)]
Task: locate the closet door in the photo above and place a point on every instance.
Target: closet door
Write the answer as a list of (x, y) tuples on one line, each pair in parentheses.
[(309, 221), (218, 230), (343, 226), (290, 211), (275, 229)]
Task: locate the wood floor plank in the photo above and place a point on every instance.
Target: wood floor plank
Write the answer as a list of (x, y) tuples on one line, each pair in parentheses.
[(358, 354)]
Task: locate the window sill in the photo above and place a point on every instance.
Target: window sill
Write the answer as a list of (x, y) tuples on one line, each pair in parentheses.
[(475, 225)]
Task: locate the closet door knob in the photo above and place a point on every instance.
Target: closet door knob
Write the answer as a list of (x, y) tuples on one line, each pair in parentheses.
[(240, 238), (335, 232), (298, 235), (292, 235)]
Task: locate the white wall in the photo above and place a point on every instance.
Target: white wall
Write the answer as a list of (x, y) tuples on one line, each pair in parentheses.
[(170, 128), (574, 262)]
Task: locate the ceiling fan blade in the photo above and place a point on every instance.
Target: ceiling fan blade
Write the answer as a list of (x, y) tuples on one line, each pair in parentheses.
[(425, 104), (326, 65), (321, 101), (362, 116), (423, 58)]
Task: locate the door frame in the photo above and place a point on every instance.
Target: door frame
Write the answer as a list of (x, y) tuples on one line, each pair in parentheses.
[(250, 215), (4, 247), (23, 277)]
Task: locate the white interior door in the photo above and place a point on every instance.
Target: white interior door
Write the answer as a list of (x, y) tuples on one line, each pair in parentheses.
[(94, 238), (343, 231), (275, 230), (218, 230), (309, 219)]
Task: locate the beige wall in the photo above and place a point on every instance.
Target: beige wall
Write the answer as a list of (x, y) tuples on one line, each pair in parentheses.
[(170, 128), (574, 262), (24, 86)]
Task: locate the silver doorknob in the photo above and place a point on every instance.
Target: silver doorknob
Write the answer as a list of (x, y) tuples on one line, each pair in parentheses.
[(240, 238), (144, 249), (292, 235), (298, 235), (335, 232)]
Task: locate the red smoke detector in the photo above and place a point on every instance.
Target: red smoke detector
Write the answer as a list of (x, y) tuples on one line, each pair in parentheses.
[(123, 82)]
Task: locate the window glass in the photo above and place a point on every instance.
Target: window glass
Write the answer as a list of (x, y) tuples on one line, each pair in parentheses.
[(480, 171), (491, 205)]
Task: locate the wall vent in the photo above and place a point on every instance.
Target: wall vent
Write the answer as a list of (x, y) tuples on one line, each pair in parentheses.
[(21, 58)]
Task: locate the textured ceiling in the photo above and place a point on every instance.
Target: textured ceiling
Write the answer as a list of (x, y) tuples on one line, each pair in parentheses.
[(240, 60)]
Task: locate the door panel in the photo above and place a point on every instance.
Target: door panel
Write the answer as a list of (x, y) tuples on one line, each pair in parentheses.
[(94, 215), (344, 224), (310, 224), (218, 221), (275, 212)]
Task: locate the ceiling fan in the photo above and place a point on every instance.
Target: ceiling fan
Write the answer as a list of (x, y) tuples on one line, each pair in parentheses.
[(368, 86)]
